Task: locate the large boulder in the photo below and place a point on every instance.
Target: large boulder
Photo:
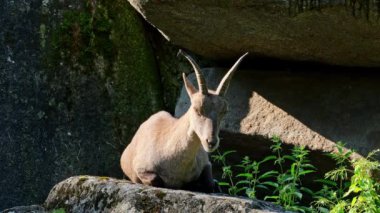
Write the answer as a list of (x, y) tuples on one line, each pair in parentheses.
[(76, 81), (336, 32), (25, 209), (314, 110), (102, 194)]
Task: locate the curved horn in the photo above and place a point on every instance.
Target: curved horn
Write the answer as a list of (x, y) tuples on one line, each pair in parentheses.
[(200, 78), (225, 82)]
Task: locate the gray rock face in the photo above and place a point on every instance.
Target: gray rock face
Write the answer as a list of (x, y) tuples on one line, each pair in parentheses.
[(97, 194), (336, 32), (26, 209), (314, 110), (70, 84)]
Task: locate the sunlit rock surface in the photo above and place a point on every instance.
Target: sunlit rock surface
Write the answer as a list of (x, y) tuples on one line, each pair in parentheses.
[(335, 32), (311, 109), (101, 194)]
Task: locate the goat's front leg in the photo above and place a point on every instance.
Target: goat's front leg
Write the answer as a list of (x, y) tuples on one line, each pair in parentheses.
[(205, 182), (206, 179), (150, 178)]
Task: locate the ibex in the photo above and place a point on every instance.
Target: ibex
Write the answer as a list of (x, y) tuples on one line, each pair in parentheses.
[(170, 152)]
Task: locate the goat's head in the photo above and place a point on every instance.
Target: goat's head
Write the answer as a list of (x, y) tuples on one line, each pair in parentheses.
[(208, 107)]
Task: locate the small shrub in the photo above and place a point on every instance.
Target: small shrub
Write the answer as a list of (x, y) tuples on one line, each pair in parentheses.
[(350, 187), (363, 187), (336, 182), (283, 187), (252, 179), (227, 172), (289, 191)]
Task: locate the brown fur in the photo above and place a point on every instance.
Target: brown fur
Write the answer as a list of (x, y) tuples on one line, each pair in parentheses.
[(171, 152)]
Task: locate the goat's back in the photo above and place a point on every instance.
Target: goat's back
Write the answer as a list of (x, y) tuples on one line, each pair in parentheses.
[(146, 143)]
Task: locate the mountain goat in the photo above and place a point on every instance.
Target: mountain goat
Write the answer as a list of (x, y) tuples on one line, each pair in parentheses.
[(172, 152)]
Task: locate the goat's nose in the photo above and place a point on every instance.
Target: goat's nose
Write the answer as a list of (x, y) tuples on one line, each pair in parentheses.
[(211, 142)]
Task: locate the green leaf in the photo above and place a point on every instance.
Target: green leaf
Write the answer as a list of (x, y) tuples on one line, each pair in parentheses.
[(354, 201), (270, 183), (223, 184), (308, 165), (243, 182), (289, 157), (354, 189), (268, 158), (240, 189), (228, 152), (251, 193), (276, 139), (287, 178), (267, 174), (247, 175), (292, 169), (307, 190), (279, 161), (306, 172), (226, 168), (296, 209), (271, 197), (287, 187), (261, 186), (323, 210), (298, 195), (232, 190)]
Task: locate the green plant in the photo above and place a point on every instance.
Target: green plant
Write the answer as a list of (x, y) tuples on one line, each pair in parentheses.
[(340, 174), (286, 184), (277, 149), (227, 172), (289, 190), (336, 182), (364, 188), (249, 179), (252, 179), (350, 187)]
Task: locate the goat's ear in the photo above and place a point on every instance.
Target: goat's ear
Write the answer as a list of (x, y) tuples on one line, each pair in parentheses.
[(189, 86)]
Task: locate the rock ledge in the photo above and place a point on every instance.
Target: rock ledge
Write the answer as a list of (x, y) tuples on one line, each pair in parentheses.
[(333, 32), (103, 194)]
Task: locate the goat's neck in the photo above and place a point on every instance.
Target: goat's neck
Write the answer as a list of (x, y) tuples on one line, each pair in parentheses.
[(184, 141)]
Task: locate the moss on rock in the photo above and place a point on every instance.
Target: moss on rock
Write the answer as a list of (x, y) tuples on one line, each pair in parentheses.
[(171, 66), (75, 90), (107, 40), (136, 77)]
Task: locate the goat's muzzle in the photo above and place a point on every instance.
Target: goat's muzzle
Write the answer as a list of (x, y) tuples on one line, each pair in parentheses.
[(212, 144)]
